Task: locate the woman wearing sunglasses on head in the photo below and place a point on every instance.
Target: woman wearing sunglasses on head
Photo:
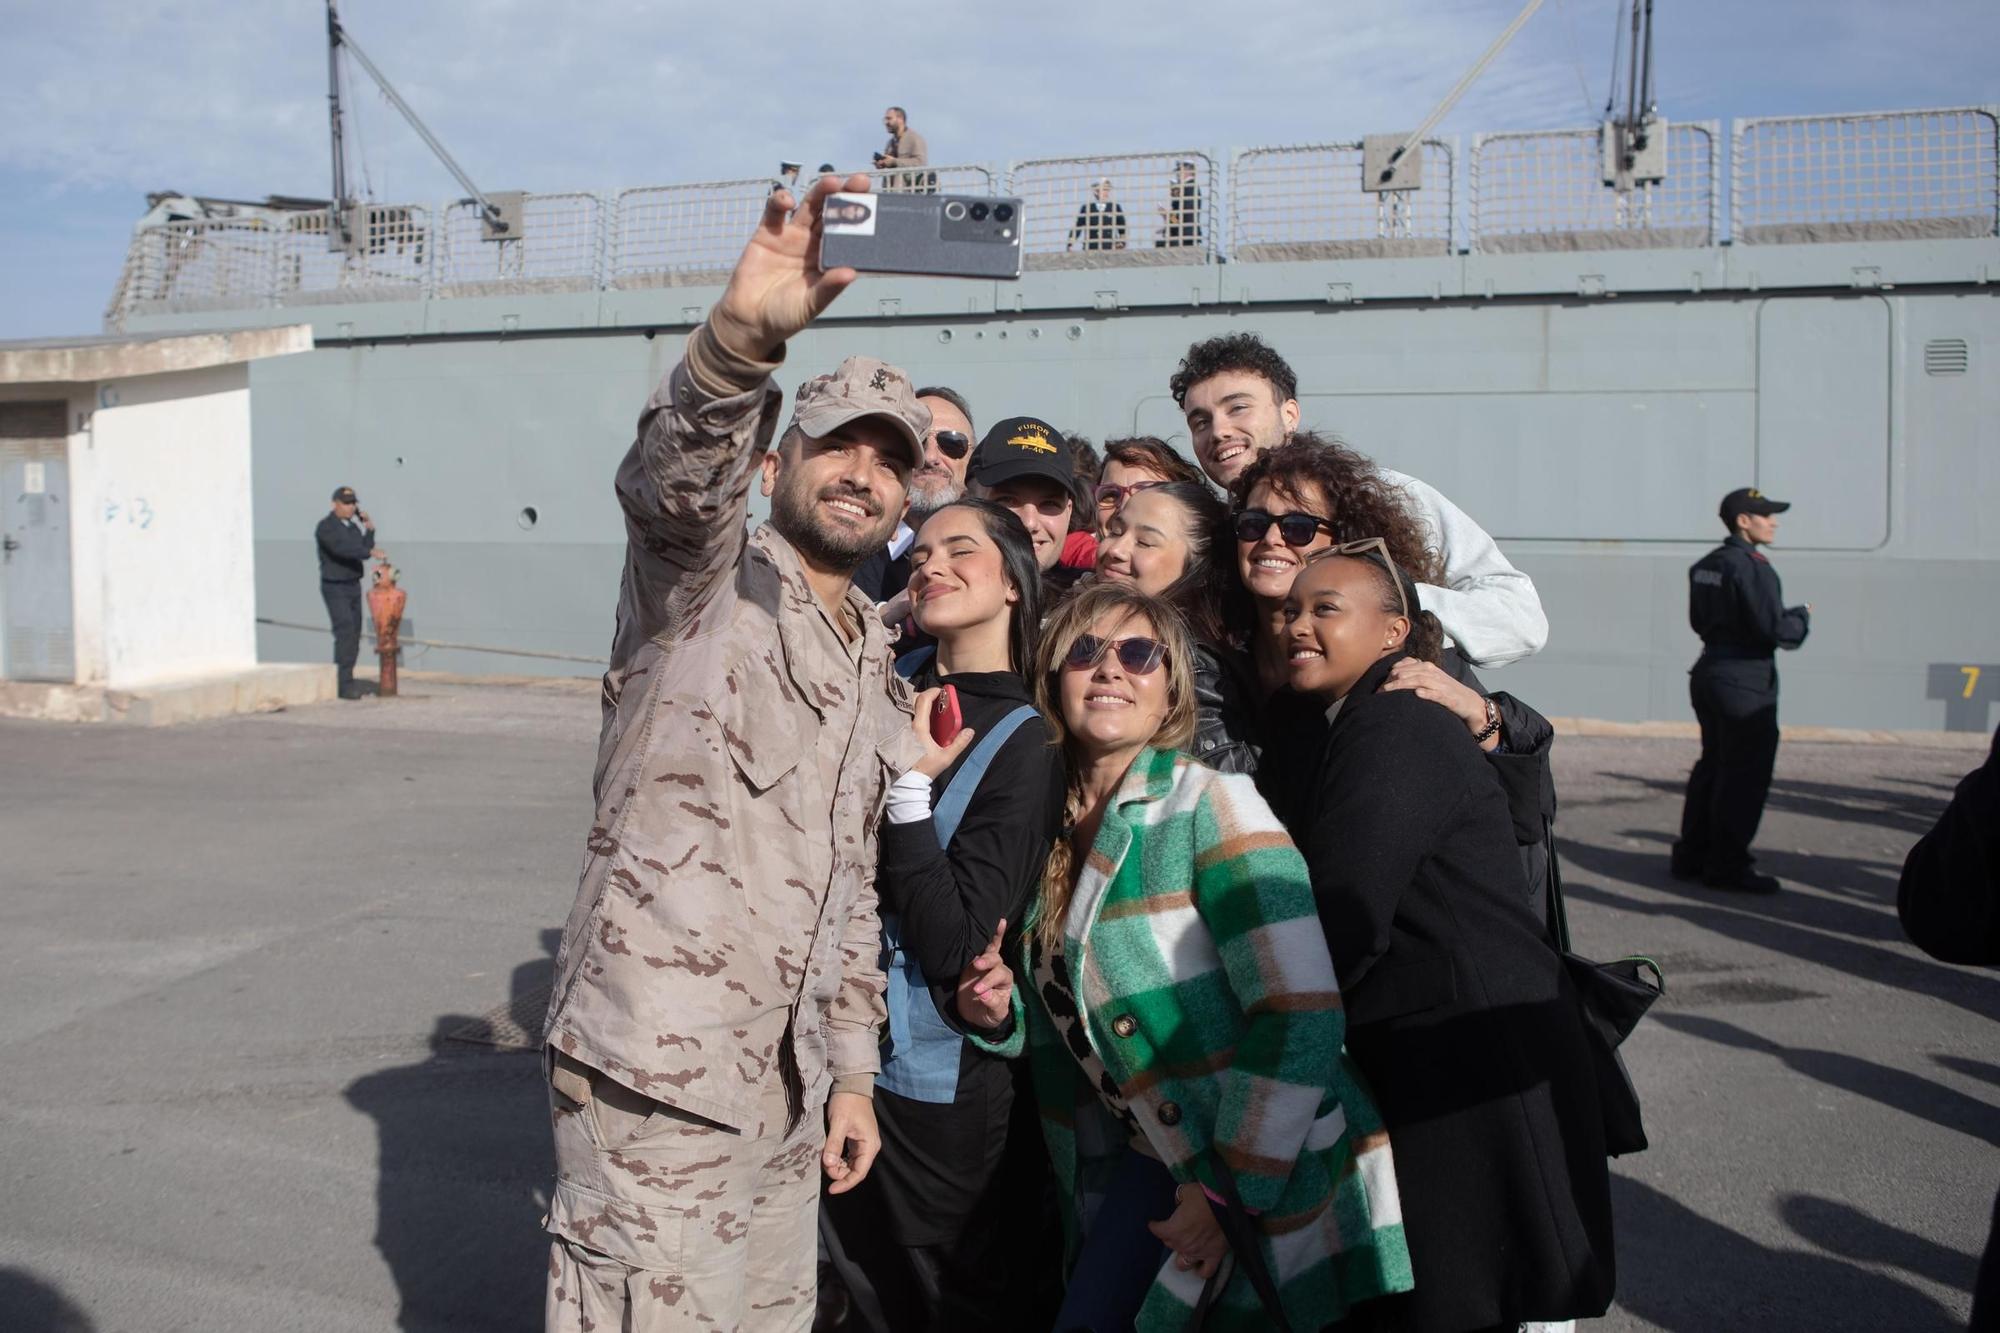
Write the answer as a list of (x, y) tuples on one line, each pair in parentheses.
[(967, 834), (1213, 1151), (1458, 1010), (1298, 499), (1170, 540)]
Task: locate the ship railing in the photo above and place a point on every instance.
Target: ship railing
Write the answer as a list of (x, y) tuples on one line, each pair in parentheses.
[(1309, 202), (1125, 210), (389, 259), (1797, 179), (1891, 175), (198, 265), (1546, 190), (561, 248)]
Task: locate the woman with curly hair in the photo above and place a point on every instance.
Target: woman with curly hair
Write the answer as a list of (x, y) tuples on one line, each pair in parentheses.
[(1304, 497)]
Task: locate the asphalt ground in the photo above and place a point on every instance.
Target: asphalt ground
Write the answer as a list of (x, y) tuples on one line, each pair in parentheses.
[(234, 955)]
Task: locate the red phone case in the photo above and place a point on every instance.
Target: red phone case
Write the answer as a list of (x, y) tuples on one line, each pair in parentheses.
[(946, 720)]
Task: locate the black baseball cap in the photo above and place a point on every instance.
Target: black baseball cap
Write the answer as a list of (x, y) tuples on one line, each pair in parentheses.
[(344, 495), (1023, 447), (1750, 500)]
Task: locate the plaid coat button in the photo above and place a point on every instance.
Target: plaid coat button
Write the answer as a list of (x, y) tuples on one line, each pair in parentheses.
[(1124, 1025), (1170, 1114)]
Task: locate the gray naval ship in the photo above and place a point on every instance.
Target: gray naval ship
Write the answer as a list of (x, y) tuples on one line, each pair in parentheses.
[(1583, 337)]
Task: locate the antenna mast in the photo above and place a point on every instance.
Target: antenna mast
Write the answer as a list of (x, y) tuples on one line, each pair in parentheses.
[(1635, 143), (501, 221)]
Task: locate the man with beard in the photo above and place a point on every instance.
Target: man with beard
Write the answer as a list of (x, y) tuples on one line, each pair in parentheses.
[(711, 1037), (1240, 398), (941, 480)]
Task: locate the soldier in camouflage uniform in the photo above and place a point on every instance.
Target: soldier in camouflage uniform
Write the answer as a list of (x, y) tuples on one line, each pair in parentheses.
[(712, 1037)]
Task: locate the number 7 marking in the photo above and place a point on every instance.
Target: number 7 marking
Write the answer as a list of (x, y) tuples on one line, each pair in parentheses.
[(1971, 674)]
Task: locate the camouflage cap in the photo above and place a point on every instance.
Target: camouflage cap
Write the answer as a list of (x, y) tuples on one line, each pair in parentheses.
[(863, 387)]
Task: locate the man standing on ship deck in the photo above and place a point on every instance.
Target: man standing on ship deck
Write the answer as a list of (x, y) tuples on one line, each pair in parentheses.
[(718, 989)]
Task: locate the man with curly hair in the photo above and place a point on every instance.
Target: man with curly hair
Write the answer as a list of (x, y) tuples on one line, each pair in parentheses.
[(1240, 397)]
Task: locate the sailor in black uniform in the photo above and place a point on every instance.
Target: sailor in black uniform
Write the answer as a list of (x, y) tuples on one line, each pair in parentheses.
[(346, 541), (1736, 606)]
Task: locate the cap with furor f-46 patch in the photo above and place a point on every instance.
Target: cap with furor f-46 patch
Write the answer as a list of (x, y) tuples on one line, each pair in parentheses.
[(1750, 500), (343, 495), (1023, 447), (861, 387)]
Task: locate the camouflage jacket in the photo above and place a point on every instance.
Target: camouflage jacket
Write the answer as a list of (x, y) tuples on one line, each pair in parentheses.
[(727, 896)]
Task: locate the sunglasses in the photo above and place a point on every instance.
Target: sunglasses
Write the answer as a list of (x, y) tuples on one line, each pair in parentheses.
[(1378, 548), (1110, 495), (1295, 529), (952, 444), (1137, 656)]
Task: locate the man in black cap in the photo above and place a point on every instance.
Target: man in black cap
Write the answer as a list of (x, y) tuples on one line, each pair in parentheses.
[(1735, 604), (346, 540), (1024, 464)]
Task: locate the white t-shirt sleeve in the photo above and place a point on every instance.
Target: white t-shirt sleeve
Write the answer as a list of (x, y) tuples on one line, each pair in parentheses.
[(1489, 608)]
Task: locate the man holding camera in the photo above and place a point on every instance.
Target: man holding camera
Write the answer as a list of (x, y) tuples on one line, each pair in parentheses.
[(712, 1032), (906, 148)]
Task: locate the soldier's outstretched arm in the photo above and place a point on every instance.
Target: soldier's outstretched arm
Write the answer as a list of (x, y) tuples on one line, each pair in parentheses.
[(684, 485)]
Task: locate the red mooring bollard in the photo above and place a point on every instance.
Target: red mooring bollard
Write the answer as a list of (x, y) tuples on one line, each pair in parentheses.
[(385, 603)]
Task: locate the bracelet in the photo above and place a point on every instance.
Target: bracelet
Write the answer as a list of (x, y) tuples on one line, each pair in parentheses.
[(1492, 724)]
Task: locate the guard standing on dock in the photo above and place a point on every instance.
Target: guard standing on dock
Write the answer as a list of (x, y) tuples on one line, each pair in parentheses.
[(1737, 607), (346, 539)]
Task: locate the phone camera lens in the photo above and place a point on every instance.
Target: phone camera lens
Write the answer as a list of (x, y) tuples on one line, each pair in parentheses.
[(955, 211), (979, 212), (1003, 212)]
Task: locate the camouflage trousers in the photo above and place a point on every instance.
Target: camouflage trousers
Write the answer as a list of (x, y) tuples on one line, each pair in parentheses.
[(662, 1220)]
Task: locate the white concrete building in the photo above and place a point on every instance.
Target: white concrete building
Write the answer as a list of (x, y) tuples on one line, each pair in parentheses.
[(126, 582)]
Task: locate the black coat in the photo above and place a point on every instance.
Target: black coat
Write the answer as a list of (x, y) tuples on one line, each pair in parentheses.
[(1460, 1015), (343, 550), (1225, 698)]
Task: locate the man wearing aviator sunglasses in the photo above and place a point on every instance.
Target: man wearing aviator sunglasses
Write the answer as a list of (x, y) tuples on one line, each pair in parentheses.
[(940, 481)]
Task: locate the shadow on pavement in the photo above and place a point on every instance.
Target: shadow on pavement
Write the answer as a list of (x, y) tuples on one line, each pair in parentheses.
[(1911, 812), (465, 1163), (1845, 1230), (1894, 1088), (1807, 926), (1677, 1268), (31, 1305), (1959, 1064)]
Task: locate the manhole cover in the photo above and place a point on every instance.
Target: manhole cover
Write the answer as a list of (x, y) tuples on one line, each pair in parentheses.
[(514, 1026)]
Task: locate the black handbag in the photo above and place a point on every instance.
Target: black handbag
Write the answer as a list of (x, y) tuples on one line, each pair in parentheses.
[(1246, 1252), (1614, 997)]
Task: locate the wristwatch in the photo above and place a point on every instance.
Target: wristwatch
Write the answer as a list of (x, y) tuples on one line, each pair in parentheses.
[(1481, 736)]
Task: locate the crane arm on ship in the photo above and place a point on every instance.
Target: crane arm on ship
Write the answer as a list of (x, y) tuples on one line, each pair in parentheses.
[(498, 225)]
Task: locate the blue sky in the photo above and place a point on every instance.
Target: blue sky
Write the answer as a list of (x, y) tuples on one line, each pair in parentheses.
[(104, 100)]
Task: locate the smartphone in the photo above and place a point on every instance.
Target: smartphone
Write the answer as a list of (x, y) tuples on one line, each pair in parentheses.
[(946, 720), (936, 235)]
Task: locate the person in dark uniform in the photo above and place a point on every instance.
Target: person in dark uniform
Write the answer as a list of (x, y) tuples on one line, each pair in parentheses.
[(1738, 609), (346, 540)]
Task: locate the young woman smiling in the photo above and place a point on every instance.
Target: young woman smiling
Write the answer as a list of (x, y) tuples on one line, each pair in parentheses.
[(1169, 541), (1458, 1009), (967, 834), (1183, 1023)]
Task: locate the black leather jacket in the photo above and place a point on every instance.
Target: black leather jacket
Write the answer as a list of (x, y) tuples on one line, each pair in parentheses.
[(1225, 695)]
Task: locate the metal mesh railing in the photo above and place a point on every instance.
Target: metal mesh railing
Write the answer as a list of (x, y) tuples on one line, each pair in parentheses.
[(390, 259), (560, 248), (674, 235), (1308, 203), (929, 180), (1886, 176), (1108, 212), (210, 264), (1545, 190)]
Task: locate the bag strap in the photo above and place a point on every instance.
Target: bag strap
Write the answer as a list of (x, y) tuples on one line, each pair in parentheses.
[(950, 807), (910, 663), (1556, 915), (1244, 1247)]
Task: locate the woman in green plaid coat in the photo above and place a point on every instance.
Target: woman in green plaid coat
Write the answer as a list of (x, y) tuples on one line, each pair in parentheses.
[(1221, 1164)]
